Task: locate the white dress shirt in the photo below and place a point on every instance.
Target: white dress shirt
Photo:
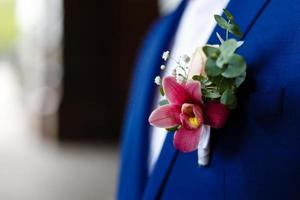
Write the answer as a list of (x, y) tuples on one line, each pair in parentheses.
[(195, 27)]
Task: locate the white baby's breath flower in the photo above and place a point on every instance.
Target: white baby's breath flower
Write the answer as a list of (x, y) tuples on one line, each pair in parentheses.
[(163, 67), (157, 80), (166, 55), (186, 58)]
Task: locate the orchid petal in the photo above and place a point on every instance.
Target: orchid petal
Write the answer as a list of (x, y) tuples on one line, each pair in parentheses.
[(187, 140), (193, 88), (189, 111), (192, 109), (217, 114), (166, 116), (184, 118), (187, 108), (198, 112), (174, 91)]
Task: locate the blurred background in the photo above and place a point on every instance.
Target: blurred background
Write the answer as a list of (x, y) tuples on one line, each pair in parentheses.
[(65, 69)]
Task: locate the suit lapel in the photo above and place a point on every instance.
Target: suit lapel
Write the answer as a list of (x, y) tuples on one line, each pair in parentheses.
[(161, 169), (245, 12), (133, 174)]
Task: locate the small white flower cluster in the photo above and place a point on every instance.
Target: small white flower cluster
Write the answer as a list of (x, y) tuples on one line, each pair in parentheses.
[(157, 80), (179, 72), (166, 55)]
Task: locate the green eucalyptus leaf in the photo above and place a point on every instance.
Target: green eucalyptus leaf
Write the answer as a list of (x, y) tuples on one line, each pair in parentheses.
[(227, 49), (240, 79), (221, 22), (229, 99), (207, 82), (228, 15), (211, 52), (215, 79), (221, 61), (212, 94), (211, 68), (225, 84), (204, 80), (163, 102), (236, 67), (235, 30)]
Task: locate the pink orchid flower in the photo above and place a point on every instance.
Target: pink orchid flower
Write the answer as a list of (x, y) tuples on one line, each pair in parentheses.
[(185, 111)]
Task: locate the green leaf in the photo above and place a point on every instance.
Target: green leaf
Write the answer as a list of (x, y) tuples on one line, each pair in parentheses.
[(228, 98), (211, 68), (221, 61), (221, 22), (231, 26), (228, 15), (212, 94), (227, 49), (236, 66), (215, 79), (222, 83), (235, 30), (211, 52), (196, 77), (225, 84), (204, 80), (162, 92), (240, 79), (163, 102), (207, 82)]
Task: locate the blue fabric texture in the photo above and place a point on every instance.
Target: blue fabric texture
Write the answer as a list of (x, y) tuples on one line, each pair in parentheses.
[(257, 154)]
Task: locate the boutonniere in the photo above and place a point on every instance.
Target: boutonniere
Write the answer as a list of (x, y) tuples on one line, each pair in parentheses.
[(201, 92)]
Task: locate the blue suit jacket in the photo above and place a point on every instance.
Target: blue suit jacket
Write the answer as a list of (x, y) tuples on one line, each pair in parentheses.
[(257, 155)]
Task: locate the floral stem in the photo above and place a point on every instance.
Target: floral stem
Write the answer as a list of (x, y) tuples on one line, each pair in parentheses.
[(180, 66), (227, 31)]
